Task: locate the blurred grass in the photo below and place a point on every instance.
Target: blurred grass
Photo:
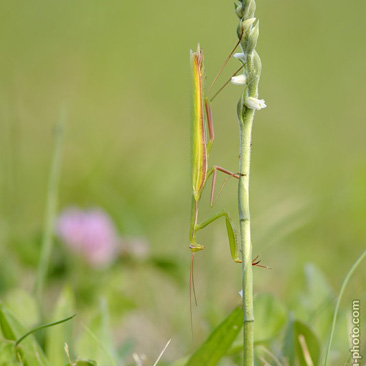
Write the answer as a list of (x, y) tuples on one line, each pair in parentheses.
[(122, 69)]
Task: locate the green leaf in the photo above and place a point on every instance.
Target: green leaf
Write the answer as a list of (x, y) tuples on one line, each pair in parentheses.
[(29, 350), (220, 340), (7, 355), (289, 342), (269, 318), (314, 304), (83, 363), (318, 291), (96, 341), (57, 336), (301, 346), (23, 306), (181, 361), (269, 315)]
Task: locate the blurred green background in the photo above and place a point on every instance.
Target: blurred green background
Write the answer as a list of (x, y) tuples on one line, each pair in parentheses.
[(121, 70)]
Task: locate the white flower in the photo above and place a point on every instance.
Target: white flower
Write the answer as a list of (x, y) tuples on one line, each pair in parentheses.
[(240, 56), (254, 103), (239, 80), (241, 293)]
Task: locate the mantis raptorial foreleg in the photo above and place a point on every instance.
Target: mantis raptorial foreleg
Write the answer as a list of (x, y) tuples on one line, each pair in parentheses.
[(234, 249), (195, 227), (214, 171)]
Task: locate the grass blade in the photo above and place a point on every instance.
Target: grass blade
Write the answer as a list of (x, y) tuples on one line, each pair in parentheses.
[(50, 211), (344, 285), (43, 327)]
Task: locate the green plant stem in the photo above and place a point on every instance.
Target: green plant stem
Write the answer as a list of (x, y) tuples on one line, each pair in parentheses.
[(246, 117), (245, 126), (51, 209)]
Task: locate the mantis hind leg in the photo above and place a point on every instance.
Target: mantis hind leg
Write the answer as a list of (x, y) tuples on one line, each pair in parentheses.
[(215, 168), (214, 171)]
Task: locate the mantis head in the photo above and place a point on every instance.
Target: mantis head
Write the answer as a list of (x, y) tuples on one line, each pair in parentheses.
[(195, 247)]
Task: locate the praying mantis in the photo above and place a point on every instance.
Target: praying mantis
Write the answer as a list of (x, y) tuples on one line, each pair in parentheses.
[(201, 144)]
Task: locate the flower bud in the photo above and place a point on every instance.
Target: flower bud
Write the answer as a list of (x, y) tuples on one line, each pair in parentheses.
[(241, 57), (240, 30), (247, 23), (249, 9), (239, 10), (254, 103), (257, 63), (239, 80), (243, 28), (252, 39)]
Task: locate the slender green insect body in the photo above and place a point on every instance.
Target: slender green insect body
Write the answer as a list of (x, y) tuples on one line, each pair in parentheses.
[(201, 146), (199, 150)]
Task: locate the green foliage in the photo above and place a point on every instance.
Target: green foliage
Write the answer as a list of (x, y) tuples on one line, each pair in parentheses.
[(301, 346), (82, 363), (270, 317), (7, 354), (336, 311), (96, 341), (23, 306), (20, 347), (296, 333), (313, 303), (29, 351), (219, 342), (317, 292), (57, 336)]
